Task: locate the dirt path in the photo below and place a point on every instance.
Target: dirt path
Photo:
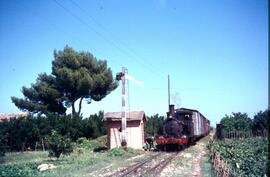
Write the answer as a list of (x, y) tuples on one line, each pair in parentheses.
[(197, 162), (188, 162)]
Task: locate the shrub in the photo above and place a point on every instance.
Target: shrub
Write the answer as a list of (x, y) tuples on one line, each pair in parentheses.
[(116, 152), (121, 151), (236, 122), (3, 142), (84, 143), (22, 170), (58, 145), (248, 157), (2, 146)]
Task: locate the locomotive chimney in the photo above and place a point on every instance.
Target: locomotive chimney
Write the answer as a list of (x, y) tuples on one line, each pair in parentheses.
[(171, 110)]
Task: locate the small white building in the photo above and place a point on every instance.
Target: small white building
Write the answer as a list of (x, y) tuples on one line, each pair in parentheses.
[(8, 116), (134, 129)]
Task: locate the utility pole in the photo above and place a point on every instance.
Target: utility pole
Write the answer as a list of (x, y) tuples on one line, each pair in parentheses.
[(169, 94), (121, 76)]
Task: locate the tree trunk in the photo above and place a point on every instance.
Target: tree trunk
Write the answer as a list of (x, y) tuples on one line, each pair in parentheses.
[(80, 106), (73, 108)]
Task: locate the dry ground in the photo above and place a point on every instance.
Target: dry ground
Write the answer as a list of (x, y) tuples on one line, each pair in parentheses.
[(193, 161)]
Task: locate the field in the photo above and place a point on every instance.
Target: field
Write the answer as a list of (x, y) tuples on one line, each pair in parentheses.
[(243, 157), (84, 162)]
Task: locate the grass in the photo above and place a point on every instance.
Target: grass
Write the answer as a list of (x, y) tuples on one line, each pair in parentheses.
[(82, 162), (22, 157), (207, 167)]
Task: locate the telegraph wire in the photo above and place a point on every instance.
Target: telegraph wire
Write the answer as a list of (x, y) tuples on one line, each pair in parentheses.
[(53, 25), (115, 37), (87, 25), (102, 36)]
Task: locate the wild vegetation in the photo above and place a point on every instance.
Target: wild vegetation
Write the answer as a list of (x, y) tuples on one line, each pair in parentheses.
[(244, 155), (241, 122), (83, 161), (58, 145), (154, 125), (33, 132)]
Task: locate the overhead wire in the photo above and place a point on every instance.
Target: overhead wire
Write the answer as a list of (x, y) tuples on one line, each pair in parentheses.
[(53, 25), (148, 65), (116, 38)]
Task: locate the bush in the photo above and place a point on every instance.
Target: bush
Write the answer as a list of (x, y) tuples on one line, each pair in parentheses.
[(22, 170), (236, 122), (2, 146), (248, 157), (116, 152), (120, 152), (58, 145), (153, 125), (24, 133), (84, 143), (3, 142)]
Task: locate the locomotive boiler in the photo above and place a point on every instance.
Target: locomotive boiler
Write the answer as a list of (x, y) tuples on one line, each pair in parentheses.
[(181, 128)]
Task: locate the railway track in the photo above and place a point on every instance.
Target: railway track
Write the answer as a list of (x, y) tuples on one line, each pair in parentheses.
[(151, 166)]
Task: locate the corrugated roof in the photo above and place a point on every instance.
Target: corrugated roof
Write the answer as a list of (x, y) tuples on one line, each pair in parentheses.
[(131, 116), (190, 110), (8, 116)]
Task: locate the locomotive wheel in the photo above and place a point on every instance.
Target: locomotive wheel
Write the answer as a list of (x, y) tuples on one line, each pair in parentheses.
[(180, 147), (160, 147)]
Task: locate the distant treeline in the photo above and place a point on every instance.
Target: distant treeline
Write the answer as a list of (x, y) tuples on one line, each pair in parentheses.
[(239, 124), (27, 133), (32, 132), (153, 125)]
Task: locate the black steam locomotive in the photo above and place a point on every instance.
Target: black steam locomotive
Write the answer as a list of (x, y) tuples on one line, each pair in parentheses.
[(182, 127)]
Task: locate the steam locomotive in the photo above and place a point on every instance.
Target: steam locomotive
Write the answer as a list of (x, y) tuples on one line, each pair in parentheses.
[(181, 128)]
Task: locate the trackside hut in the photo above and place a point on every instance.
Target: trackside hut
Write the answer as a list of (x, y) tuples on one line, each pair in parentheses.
[(134, 129)]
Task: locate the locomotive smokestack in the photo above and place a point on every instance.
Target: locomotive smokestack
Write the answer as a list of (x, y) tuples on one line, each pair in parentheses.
[(169, 94), (171, 111)]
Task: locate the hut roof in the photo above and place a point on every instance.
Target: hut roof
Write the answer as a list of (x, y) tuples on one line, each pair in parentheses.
[(8, 116), (186, 110), (131, 116)]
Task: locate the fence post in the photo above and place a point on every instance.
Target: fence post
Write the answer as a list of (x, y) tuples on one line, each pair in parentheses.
[(43, 147)]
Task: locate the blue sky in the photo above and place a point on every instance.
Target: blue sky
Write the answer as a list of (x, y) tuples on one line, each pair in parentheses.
[(216, 52)]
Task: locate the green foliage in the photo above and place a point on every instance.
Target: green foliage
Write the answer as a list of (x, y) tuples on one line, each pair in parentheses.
[(116, 152), (59, 145), (81, 76), (43, 96), (154, 125), (260, 121), (84, 143), (19, 170), (93, 127), (19, 134), (75, 76), (3, 138), (2, 146), (86, 163), (247, 156), (236, 122)]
